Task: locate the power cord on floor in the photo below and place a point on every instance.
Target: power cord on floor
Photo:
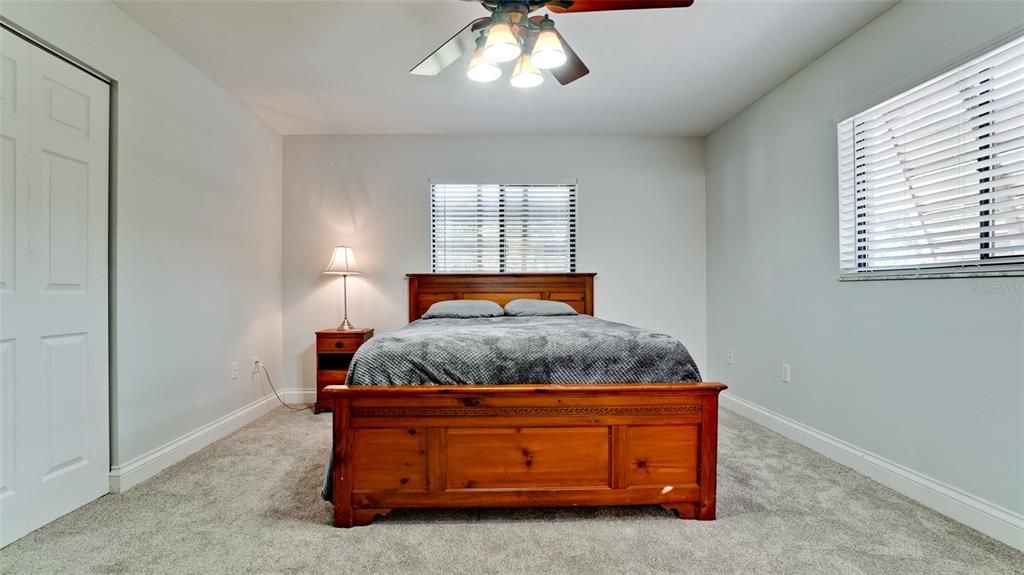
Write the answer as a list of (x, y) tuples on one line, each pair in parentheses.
[(271, 382)]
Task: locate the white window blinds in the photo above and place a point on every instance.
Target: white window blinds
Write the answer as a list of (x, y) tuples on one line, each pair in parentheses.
[(934, 177), (503, 228)]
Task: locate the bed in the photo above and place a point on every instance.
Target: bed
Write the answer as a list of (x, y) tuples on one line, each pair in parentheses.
[(413, 428)]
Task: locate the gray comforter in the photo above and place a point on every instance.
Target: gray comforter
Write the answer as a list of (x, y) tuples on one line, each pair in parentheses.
[(501, 350)]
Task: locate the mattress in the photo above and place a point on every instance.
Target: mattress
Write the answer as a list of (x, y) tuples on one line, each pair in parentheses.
[(577, 349)]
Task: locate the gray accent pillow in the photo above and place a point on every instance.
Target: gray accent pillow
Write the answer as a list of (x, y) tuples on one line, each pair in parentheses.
[(463, 308), (525, 307)]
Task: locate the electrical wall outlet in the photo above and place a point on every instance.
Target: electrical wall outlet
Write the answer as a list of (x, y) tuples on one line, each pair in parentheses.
[(787, 373), (234, 370), (255, 364), (731, 357)]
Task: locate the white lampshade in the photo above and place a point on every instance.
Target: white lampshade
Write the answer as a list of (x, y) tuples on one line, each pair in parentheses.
[(526, 75), (343, 262), (547, 51), (480, 68), (502, 45)]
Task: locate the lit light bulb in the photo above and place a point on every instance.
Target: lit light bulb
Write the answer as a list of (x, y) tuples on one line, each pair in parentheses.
[(547, 51), (526, 75), (502, 45), (481, 69)]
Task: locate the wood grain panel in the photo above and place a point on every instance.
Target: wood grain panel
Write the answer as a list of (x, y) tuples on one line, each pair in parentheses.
[(556, 497), (361, 421), (502, 298), (574, 299), (337, 344), (575, 289), (662, 454), (331, 376), (389, 459), (527, 458), (425, 300), (708, 458), (579, 306)]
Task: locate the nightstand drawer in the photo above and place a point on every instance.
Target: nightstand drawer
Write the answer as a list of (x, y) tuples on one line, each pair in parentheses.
[(331, 376), (338, 344)]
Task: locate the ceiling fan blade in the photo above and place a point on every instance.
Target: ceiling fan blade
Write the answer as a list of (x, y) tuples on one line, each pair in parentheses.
[(602, 5), (573, 69), (463, 41)]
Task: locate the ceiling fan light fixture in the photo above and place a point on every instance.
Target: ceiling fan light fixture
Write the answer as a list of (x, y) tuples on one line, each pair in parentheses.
[(548, 51), (502, 45), (526, 75), (480, 68)]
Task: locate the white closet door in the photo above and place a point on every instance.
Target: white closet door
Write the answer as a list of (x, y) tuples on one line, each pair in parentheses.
[(54, 422)]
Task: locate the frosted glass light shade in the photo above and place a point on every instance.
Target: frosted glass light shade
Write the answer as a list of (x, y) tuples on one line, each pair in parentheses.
[(502, 45), (481, 69), (343, 262), (526, 75), (548, 51)]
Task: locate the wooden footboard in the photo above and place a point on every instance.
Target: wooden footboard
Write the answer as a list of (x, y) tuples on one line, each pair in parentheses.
[(524, 446)]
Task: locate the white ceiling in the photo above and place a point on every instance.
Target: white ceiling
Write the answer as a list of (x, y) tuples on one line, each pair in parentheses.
[(341, 67)]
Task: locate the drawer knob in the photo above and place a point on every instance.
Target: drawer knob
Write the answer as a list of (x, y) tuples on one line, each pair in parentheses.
[(339, 344)]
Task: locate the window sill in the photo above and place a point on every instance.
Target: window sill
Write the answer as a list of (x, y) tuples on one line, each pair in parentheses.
[(1014, 271)]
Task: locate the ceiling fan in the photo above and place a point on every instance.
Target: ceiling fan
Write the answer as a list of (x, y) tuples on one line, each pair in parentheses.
[(510, 33)]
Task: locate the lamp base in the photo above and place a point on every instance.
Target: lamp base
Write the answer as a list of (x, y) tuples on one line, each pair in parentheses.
[(346, 326)]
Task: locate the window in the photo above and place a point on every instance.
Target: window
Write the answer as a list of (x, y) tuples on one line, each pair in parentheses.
[(932, 180), (503, 228)]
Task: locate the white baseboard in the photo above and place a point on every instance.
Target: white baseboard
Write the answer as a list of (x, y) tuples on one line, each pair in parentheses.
[(298, 395), (130, 474), (995, 521)]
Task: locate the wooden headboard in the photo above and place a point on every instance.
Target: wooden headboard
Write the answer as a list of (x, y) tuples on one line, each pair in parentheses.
[(575, 289)]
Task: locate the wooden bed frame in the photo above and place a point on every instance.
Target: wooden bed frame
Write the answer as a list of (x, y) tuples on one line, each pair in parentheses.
[(521, 445)]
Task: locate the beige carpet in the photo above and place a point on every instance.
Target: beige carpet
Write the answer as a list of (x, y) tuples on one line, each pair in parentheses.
[(250, 504)]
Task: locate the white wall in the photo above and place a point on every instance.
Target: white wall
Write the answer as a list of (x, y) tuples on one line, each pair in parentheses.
[(928, 374), (641, 225), (197, 216)]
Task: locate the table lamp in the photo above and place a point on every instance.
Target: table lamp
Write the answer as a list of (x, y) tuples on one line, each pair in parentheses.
[(343, 263)]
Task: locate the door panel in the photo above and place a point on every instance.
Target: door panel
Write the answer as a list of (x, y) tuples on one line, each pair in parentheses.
[(9, 81), (64, 238), (7, 419), (68, 107), (8, 188), (54, 122), (65, 366)]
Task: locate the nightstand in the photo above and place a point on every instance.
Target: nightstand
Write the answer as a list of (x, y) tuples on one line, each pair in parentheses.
[(334, 351)]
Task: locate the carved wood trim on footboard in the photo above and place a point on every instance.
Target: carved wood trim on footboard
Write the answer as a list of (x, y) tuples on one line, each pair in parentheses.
[(524, 446)]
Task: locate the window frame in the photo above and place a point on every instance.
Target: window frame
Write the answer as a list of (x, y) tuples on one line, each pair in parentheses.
[(962, 270), (574, 223)]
